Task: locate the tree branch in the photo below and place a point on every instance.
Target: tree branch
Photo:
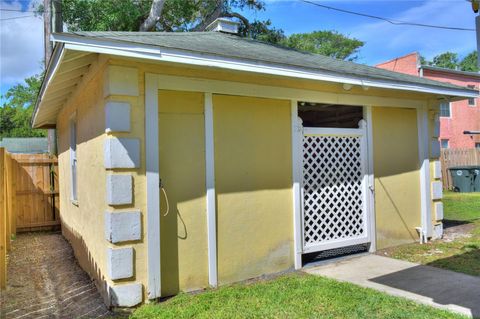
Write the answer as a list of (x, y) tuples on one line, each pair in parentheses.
[(218, 12), (154, 15), (239, 16)]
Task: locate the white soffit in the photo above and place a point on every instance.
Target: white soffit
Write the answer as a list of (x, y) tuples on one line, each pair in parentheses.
[(65, 72)]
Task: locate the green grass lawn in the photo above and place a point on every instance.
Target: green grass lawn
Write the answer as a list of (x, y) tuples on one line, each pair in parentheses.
[(461, 206), (300, 295), (461, 254), (294, 295)]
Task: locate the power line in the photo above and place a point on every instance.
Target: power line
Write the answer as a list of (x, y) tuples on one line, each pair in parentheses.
[(13, 10), (13, 18), (19, 10), (391, 21)]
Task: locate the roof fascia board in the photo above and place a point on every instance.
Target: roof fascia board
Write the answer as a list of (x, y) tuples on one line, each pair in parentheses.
[(188, 57), (52, 69), (127, 46), (444, 70)]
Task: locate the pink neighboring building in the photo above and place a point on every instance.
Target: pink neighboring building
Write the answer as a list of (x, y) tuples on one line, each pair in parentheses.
[(455, 117)]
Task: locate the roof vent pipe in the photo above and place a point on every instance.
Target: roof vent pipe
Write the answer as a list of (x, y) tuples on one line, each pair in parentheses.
[(223, 25)]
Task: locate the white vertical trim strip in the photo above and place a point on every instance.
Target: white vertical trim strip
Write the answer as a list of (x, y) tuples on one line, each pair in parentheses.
[(210, 186), (153, 186), (365, 181), (367, 115), (423, 155), (296, 181)]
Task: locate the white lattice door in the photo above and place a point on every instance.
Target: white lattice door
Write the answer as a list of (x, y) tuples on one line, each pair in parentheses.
[(334, 190)]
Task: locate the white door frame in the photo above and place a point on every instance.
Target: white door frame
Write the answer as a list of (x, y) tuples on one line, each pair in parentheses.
[(424, 161), (153, 187), (155, 82)]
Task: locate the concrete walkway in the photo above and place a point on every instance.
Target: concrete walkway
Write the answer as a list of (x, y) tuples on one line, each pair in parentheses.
[(428, 285), (45, 281)]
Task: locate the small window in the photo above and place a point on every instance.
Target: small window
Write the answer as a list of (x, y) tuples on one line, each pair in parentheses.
[(477, 146), (444, 143), (73, 158), (471, 100), (445, 109)]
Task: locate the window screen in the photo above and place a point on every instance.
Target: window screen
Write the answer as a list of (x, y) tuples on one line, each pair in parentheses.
[(445, 109), (471, 101), (73, 158), (444, 143)]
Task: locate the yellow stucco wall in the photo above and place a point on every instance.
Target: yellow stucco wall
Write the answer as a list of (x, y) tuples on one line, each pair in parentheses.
[(252, 170), (253, 184), (397, 179), (184, 262), (83, 224)]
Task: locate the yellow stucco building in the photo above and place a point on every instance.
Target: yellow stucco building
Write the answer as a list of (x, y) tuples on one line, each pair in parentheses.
[(196, 160)]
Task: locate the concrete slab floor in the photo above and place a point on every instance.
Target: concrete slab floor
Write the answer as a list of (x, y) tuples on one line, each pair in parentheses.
[(424, 284)]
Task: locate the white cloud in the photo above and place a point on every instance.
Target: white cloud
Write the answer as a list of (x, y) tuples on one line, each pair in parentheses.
[(21, 44), (383, 38)]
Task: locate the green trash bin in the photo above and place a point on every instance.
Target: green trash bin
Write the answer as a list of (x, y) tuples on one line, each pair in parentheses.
[(462, 178), (476, 178)]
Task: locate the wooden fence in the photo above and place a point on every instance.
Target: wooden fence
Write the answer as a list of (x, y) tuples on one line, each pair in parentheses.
[(28, 198), (457, 157), (4, 224)]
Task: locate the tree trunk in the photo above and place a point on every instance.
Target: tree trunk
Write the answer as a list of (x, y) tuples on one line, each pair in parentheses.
[(154, 15), (57, 20), (52, 17)]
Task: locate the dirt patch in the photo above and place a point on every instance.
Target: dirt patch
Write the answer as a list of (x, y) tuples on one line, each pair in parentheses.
[(45, 281), (453, 232)]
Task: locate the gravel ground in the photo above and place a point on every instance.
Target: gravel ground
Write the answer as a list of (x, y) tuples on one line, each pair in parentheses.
[(45, 281)]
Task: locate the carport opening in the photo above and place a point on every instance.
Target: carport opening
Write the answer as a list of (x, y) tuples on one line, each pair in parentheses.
[(323, 115), (329, 115)]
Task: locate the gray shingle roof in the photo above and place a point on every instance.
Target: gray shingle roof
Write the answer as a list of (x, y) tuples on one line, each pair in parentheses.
[(232, 46)]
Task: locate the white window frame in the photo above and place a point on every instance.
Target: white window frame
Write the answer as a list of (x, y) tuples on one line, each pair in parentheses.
[(472, 98), (441, 143), (449, 110), (73, 160)]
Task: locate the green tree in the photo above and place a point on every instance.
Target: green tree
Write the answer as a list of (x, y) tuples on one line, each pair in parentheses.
[(150, 15), (183, 15), (448, 60), (16, 112), (470, 62), (264, 31), (329, 43)]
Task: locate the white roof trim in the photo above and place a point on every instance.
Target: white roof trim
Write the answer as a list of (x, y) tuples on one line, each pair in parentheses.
[(50, 72), (135, 50)]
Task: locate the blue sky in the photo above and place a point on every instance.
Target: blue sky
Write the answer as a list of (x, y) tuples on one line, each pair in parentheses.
[(21, 42)]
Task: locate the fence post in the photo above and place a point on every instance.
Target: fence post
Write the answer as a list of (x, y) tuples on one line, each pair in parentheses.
[(8, 199), (12, 216), (3, 224)]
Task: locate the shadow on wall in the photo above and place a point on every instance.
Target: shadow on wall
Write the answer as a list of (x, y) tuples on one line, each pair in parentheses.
[(401, 215), (442, 286), (397, 178)]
